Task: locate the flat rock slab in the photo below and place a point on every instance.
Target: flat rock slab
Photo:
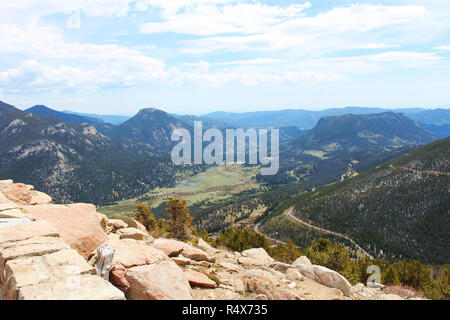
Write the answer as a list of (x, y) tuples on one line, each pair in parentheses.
[(31, 247), (28, 230), (7, 206), (158, 281), (198, 279), (79, 287), (131, 233), (12, 213), (78, 224), (9, 222), (169, 246), (40, 269), (131, 253), (196, 254), (247, 261)]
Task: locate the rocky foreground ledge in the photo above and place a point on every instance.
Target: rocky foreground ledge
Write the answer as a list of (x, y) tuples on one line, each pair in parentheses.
[(50, 251)]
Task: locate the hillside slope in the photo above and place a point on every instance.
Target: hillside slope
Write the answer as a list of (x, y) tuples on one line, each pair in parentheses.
[(398, 210)]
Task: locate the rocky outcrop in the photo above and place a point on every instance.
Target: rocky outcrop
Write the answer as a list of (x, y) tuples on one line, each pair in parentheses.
[(44, 252), (23, 194), (36, 264), (146, 272), (77, 224)]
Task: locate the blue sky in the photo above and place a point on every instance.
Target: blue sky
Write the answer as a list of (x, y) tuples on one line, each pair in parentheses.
[(199, 56)]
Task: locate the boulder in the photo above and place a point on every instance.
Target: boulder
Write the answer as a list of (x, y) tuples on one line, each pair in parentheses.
[(116, 224), (131, 222), (103, 221), (131, 233), (118, 277), (77, 287), (246, 261), (302, 260), (231, 279), (202, 244), (169, 246), (182, 261), (158, 281), (131, 253), (293, 274), (38, 198), (77, 224), (258, 254), (196, 254), (198, 279), (326, 277)]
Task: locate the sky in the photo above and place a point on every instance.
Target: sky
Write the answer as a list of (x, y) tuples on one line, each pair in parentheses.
[(200, 56)]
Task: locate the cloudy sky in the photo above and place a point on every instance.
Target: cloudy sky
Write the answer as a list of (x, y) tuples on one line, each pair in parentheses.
[(198, 56)]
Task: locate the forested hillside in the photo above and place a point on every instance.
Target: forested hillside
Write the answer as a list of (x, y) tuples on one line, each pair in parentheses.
[(397, 210)]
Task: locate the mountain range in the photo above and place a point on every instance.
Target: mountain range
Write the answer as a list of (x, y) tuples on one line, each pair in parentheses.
[(77, 162), (307, 119), (135, 155), (341, 146)]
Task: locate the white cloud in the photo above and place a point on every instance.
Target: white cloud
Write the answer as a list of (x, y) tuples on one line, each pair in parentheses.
[(443, 48), (242, 18), (254, 79), (375, 45), (261, 61), (270, 28), (296, 43), (33, 77)]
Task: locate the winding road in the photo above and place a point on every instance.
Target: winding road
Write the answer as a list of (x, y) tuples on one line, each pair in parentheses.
[(293, 218)]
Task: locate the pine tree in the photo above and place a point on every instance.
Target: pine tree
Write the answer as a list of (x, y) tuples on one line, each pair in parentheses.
[(180, 220), (145, 216)]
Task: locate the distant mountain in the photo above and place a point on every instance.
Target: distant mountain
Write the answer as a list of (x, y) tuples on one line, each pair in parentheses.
[(350, 132), (435, 117), (71, 118), (442, 131), (112, 119), (397, 210), (307, 119), (339, 146), (75, 162), (206, 122), (149, 126)]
